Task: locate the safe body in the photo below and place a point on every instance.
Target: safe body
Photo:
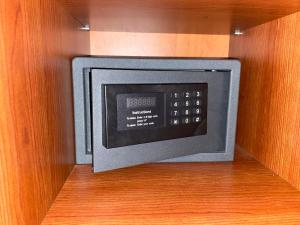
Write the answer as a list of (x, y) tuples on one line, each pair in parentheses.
[(125, 110)]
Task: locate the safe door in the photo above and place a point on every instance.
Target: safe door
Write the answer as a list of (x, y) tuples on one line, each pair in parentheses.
[(141, 116)]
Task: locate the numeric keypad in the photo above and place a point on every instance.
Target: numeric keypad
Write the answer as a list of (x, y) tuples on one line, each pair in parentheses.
[(185, 107)]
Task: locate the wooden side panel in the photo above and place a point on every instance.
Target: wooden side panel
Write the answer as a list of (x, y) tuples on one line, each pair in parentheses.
[(269, 107), (37, 41), (159, 44)]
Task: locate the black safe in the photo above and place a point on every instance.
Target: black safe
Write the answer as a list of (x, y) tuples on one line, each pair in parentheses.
[(130, 111)]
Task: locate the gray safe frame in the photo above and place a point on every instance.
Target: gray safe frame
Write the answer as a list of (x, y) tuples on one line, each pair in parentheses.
[(156, 151)]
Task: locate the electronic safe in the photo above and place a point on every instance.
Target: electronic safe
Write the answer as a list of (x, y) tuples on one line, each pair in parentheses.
[(130, 111)]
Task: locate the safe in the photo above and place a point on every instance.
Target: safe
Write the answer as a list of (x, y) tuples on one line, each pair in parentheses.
[(130, 111)]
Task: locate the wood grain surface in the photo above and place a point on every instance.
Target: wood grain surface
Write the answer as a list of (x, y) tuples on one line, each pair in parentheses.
[(241, 192), (159, 44), (269, 105), (37, 41), (177, 16)]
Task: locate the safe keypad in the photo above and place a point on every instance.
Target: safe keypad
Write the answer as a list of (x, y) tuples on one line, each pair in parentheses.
[(185, 107)]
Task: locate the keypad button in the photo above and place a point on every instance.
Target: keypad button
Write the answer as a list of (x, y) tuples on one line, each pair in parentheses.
[(175, 104), (197, 102), (187, 103), (174, 113), (186, 112), (197, 93), (196, 111), (174, 122), (175, 95), (196, 119), (186, 120), (187, 94)]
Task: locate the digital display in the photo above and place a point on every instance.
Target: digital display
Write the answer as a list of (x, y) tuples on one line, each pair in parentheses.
[(138, 102)]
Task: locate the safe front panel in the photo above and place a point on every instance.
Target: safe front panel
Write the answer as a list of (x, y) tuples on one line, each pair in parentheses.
[(130, 147)]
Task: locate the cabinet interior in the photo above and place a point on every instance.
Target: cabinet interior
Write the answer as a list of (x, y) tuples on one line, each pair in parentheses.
[(38, 39)]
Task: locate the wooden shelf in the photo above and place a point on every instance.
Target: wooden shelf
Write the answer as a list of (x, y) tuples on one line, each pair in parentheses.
[(240, 192), (177, 16)]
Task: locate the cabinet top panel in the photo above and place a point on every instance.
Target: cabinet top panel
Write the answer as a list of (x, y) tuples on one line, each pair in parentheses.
[(178, 16)]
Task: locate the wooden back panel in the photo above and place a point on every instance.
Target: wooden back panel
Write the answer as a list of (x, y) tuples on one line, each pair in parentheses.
[(269, 107), (37, 41), (159, 44)]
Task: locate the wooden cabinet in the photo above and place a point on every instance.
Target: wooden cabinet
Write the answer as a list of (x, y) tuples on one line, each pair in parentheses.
[(38, 39)]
